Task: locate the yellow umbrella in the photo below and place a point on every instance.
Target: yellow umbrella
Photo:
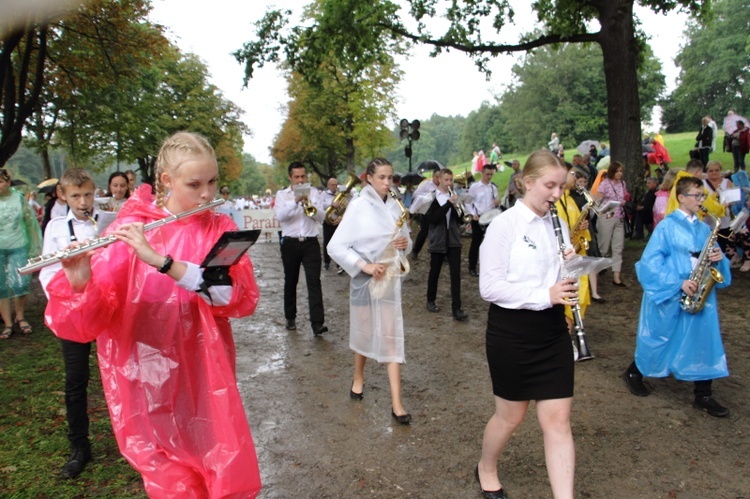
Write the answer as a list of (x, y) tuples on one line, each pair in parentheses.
[(48, 182)]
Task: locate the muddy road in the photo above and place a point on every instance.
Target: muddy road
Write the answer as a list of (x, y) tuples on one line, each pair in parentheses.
[(314, 441)]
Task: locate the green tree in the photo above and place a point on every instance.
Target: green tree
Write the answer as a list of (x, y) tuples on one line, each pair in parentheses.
[(483, 127), (714, 68), (342, 97), (45, 66), (251, 180), (129, 120), (471, 24)]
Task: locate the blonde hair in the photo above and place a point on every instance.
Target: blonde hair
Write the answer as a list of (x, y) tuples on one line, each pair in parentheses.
[(713, 162), (180, 147), (668, 181), (536, 166)]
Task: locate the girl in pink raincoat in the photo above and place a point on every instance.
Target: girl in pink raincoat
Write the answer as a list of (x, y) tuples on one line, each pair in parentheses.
[(165, 348)]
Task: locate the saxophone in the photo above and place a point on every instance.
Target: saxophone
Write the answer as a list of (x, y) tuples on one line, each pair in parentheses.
[(705, 274), (576, 234), (397, 265)]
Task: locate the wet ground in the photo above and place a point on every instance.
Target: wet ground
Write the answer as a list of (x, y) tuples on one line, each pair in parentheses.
[(313, 441)]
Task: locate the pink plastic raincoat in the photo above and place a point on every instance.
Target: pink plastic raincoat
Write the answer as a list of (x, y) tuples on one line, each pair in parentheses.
[(167, 358)]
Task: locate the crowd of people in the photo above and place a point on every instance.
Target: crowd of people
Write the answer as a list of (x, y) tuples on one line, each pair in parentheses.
[(553, 212)]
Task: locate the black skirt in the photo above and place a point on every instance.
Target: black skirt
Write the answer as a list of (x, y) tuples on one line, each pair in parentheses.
[(530, 353)]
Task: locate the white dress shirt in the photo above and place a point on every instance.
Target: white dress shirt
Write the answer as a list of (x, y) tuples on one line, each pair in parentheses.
[(484, 197), (57, 237), (291, 215), (519, 259)]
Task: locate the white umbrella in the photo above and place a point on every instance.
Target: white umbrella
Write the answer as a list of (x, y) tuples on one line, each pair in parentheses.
[(730, 122), (585, 146)]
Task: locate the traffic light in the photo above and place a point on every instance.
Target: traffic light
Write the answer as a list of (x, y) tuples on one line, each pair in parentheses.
[(410, 132)]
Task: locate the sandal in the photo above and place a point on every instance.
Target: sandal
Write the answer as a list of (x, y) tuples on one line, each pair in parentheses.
[(7, 331), (23, 326)]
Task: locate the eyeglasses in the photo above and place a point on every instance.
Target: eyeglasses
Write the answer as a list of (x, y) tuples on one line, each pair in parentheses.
[(696, 196)]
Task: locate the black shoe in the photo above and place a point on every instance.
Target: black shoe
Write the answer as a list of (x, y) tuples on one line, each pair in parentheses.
[(405, 419), (340, 271), (431, 307), (712, 407), (291, 325), (460, 315), (620, 284), (319, 328), (598, 300), (326, 266), (356, 396), (635, 383), (474, 273), (489, 494), (76, 462)]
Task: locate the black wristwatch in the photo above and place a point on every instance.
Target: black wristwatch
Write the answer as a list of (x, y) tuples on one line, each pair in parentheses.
[(167, 265)]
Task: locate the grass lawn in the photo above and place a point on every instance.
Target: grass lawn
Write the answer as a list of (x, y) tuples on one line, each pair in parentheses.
[(34, 445)]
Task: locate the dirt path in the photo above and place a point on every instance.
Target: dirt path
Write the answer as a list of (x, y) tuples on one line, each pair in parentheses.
[(313, 441)]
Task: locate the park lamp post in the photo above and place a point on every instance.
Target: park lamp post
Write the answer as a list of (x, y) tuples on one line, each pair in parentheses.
[(409, 131)]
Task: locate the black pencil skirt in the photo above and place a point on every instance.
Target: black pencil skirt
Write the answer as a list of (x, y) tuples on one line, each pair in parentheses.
[(529, 353)]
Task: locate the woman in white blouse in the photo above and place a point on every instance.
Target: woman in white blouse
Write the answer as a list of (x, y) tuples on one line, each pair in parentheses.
[(529, 352), (370, 245)]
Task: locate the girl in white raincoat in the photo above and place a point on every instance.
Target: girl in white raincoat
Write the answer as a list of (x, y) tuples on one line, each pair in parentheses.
[(370, 244)]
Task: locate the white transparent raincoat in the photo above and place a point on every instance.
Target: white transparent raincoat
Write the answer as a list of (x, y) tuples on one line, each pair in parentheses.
[(365, 235)]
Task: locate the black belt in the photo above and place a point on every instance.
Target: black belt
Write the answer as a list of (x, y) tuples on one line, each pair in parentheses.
[(300, 239)]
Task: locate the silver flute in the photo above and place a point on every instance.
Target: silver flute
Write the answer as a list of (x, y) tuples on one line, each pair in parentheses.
[(39, 262)]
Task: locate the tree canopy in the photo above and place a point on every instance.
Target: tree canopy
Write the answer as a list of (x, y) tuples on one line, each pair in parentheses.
[(714, 68), (341, 84), (471, 28)]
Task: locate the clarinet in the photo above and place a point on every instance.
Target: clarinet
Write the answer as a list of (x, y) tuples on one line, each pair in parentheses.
[(581, 350), (39, 262)]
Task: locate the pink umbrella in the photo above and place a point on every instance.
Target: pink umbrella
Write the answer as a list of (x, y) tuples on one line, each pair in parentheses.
[(730, 122)]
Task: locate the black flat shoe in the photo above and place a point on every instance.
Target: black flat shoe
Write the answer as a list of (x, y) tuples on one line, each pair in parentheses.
[(635, 383), (711, 406), (620, 284), (405, 419), (431, 307), (460, 315), (291, 325), (489, 494), (319, 329), (598, 300), (356, 396), (473, 273)]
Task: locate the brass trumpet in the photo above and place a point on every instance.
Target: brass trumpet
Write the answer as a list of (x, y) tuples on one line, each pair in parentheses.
[(309, 209)]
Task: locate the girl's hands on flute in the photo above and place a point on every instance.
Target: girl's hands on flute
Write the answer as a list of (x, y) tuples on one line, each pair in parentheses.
[(132, 235)]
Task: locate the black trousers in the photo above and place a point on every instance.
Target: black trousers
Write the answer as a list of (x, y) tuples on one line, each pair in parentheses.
[(77, 374), (477, 236), (702, 388), (328, 231), (424, 229), (436, 264), (307, 254)]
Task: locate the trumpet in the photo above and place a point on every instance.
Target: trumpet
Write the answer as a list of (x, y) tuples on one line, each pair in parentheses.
[(309, 209), (304, 191), (39, 262), (463, 216)]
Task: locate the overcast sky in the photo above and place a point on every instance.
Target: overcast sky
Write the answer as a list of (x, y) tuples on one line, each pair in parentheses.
[(447, 85)]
